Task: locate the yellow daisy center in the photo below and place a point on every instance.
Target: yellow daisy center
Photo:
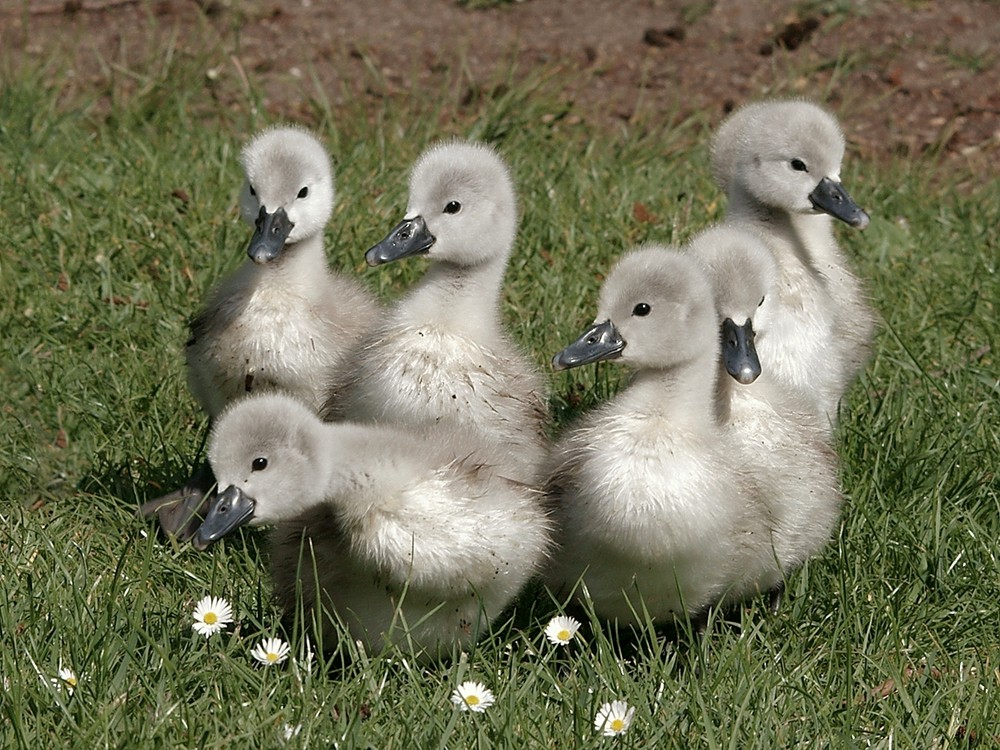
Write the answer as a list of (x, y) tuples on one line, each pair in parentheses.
[(563, 635), (71, 681), (472, 700), (272, 657), (211, 618), (617, 725)]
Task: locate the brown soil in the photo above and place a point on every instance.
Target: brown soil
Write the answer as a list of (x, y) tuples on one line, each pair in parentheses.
[(905, 77)]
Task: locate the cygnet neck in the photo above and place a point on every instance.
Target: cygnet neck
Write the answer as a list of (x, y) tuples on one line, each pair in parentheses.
[(458, 297), (300, 262), (805, 236), (685, 393)]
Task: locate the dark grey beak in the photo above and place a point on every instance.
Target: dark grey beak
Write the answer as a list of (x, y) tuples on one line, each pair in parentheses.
[(270, 233), (739, 354), (599, 342), (228, 511), (830, 196), (408, 237)]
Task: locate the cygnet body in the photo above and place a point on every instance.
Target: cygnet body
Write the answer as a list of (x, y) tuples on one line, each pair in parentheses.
[(783, 447), (443, 356), (393, 531), (779, 163), (651, 514)]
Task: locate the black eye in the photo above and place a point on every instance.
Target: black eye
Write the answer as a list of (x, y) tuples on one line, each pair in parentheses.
[(453, 207), (799, 166), (304, 192), (253, 192), (259, 464), (761, 302), (642, 310)]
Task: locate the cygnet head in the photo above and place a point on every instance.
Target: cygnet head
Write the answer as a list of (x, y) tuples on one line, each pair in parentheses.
[(462, 209), (266, 454), (655, 311), (742, 272), (786, 155), (288, 193)]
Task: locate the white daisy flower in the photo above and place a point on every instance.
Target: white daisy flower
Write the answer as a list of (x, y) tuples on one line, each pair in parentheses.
[(66, 679), (561, 630), (290, 730), (271, 651), (472, 696), (211, 615), (614, 718)]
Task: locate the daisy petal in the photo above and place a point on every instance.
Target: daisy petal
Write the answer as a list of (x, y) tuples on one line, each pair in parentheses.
[(561, 629), (288, 731), (211, 615), (271, 651), (614, 718), (472, 696), (66, 680)]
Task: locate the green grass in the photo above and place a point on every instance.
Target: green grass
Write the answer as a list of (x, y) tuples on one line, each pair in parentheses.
[(117, 218)]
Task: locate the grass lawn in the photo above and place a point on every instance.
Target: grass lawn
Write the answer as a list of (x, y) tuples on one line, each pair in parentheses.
[(118, 217)]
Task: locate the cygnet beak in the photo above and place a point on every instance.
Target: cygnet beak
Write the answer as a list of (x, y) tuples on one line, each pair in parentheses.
[(228, 511), (270, 233), (829, 196), (408, 237), (739, 354), (599, 342)]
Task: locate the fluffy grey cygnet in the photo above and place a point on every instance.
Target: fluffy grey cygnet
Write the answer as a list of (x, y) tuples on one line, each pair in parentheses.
[(283, 321), (653, 514), (443, 356), (783, 447), (395, 532), (779, 163)]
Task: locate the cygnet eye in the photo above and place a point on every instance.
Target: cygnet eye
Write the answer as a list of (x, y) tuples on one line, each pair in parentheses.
[(761, 301), (304, 192), (253, 192), (259, 464), (642, 310), (453, 207), (799, 166)]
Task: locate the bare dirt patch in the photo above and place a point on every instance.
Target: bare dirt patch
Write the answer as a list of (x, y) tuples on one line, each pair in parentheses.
[(905, 77)]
